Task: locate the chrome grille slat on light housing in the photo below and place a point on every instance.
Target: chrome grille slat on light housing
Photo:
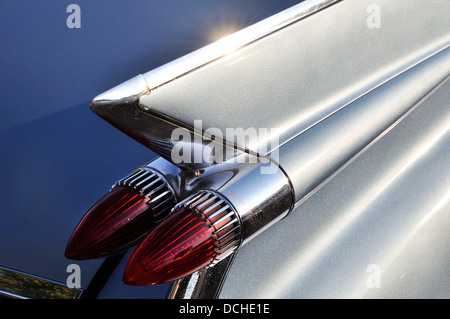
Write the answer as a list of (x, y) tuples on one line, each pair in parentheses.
[(220, 215), (152, 185)]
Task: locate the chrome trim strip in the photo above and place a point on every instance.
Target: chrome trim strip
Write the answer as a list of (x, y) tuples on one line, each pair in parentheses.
[(144, 84), (203, 284), (20, 285)]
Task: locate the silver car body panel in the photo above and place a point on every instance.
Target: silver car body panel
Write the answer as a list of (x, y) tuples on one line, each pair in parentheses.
[(363, 121), (387, 211), (384, 210), (299, 75)]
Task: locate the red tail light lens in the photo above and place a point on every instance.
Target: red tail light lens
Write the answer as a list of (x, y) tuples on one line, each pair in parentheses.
[(111, 225), (188, 246), (200, 231), (121, 218)]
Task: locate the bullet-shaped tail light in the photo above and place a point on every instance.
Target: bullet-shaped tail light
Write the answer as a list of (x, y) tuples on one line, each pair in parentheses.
[(123, 216), (211, 224), (201, 230)]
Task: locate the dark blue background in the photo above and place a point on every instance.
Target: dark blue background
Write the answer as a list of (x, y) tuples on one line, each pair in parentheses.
[(56, 157)]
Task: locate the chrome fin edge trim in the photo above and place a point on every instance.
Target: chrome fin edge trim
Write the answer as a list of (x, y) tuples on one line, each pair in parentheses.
[(216, 50)]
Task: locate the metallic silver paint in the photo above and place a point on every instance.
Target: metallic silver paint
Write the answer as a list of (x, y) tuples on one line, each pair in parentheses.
[(362, 216), (296, 77), (231, 43), (122, 105), (364, 115), (390, 207), (315, 155)]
